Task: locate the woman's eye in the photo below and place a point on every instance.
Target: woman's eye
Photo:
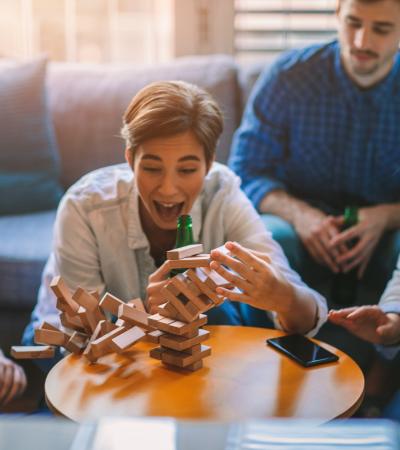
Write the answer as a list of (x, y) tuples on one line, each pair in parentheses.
[(151, 169), (187, 171)]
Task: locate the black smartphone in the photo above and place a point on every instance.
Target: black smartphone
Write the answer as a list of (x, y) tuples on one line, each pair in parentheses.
[(302, 350)]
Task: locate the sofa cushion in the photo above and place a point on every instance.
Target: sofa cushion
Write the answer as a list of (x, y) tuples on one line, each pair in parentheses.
[(28, 151), (25, 247), (88, 102)]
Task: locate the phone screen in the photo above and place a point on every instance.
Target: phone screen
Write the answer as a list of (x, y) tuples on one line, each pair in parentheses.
[(302, 350)]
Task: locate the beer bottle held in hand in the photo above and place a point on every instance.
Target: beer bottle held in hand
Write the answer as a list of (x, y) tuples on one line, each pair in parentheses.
[(344, 285), (184, 236)]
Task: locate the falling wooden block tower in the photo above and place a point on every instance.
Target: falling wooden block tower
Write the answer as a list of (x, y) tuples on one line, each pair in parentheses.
[(188, 296)]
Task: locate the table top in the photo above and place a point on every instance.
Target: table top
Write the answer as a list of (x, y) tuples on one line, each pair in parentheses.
[(242, 379)]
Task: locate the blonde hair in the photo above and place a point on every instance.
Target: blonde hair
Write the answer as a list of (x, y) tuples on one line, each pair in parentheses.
[(167, 108)]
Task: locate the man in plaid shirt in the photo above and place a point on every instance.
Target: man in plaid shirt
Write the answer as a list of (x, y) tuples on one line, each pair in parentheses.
[(322, 131)]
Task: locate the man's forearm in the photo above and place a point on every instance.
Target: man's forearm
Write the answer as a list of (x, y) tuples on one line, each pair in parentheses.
[(284, 205), (393, 215)]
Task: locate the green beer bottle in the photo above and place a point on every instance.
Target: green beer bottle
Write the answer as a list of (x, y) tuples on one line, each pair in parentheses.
[(344, 287), (184, 236)]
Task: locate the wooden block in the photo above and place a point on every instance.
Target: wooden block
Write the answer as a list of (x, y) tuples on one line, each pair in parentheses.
[(32, 352), (95, 294), (122, 323), (193, 350), (181, 359), (156, 353), (73, 322), (153, 336), (101, 345), (124, 340), (176, 327), (169, 311), (50, 337), (77, 343), (137, 303), (181, 343), (181, 303), (189, 263), (90, 303), (134, 316), (214, 279), (48, 326), (110, 303), (88, 319), (88, 350), (195, 366), (184, 252), (59, 287), (198, 277), (183, 285)]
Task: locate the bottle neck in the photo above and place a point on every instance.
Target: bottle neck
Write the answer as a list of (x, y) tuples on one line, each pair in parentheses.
[(184, 232), (350, 216)]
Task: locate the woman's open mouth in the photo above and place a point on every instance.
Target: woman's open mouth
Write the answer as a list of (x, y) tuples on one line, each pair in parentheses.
[(168, 211)]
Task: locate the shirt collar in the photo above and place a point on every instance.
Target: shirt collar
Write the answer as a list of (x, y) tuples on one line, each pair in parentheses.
[(377, 94), (136, 236)]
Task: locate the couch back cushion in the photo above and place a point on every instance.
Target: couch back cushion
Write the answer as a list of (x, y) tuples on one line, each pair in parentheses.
[(88, 102), (28, 151)]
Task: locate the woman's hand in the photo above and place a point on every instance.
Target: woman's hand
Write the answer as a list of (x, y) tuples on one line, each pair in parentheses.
[(157, 280), (261, 284), (12, 380), (369, 323)]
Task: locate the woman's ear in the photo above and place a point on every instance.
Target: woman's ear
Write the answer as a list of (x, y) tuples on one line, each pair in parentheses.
[(129, 157)]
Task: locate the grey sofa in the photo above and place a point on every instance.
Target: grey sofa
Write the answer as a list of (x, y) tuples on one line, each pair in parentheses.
[(86, 104)]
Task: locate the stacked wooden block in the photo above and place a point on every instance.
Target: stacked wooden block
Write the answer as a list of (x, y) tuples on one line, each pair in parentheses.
[(87, 328), (188, 296)]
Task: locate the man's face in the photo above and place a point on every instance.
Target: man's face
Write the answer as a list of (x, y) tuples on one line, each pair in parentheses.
[(369, 35)]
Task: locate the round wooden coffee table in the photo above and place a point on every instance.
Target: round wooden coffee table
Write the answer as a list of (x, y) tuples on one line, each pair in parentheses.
[(242, 379)]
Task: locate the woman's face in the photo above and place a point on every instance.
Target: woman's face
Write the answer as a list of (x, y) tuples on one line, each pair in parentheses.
[(169, 175)]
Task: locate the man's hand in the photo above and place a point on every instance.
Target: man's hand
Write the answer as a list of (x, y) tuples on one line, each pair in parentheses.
[(12, 380), (369, 323), (157, 280), (317, 230), (372, 224)]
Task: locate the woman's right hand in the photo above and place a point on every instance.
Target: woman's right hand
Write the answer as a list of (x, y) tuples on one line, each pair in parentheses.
[(157, 280)]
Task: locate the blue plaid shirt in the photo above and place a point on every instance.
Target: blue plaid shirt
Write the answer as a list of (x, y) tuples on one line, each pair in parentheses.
[(308, 129)]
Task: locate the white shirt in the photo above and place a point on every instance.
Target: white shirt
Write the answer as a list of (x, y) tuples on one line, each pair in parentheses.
[(99, 243)]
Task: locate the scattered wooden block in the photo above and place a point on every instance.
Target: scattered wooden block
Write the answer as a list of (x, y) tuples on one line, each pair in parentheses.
[(90, 303), (137, 303), (48, 326), (73, 322), (77, 343), (124, 340), (50, 337), (32, 352), (110, 303), (189, 263), (134, 316), (180, 359), (61, 290), (181, 343), (184, 252), (101, 345)]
